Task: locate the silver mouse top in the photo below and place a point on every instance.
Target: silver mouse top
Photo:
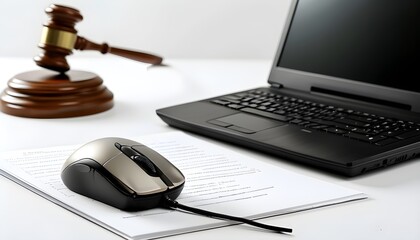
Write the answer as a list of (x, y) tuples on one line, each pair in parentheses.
[(140, 169)]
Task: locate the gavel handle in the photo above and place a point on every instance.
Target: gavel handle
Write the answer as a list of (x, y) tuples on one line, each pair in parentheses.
[(84, 44)]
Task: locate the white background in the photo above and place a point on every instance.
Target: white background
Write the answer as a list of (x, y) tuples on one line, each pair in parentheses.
[(187, 29), (170, 28)]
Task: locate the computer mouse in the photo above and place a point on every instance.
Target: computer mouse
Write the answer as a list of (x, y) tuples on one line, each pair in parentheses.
[(122, 173)]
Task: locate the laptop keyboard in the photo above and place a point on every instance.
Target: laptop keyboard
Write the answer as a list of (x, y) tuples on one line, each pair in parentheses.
[(361, 126)]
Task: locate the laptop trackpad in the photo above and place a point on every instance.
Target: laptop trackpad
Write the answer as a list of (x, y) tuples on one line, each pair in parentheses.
[(245, 123)]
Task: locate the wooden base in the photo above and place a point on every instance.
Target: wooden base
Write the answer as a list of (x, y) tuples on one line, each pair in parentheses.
[(47, 94)]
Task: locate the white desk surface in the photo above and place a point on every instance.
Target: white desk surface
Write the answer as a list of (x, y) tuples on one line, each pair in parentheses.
[(391, 212)]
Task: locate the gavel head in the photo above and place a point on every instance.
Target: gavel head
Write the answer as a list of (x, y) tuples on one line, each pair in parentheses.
[(58, 37)]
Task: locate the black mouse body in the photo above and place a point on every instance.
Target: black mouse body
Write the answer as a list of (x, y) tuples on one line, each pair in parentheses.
[(122, 173)]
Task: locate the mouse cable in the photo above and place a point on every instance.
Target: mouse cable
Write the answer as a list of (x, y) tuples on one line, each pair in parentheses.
[(174, 205)]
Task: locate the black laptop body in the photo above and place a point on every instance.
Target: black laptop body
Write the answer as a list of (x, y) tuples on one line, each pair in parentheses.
[(344, 90)]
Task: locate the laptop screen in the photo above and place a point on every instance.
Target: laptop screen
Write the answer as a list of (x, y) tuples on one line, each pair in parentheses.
[(370, 41)]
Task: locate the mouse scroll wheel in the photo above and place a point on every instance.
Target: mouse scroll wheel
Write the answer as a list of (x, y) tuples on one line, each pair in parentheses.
[(145, 164), (139, 159)]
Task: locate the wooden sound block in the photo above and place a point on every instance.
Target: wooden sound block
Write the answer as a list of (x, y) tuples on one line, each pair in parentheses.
[(48, 94)]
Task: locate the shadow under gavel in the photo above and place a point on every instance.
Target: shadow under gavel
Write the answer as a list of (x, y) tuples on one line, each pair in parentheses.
[(59, 38)]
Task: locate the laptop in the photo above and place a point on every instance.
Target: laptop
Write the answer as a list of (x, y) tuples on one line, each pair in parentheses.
[(343, 94)]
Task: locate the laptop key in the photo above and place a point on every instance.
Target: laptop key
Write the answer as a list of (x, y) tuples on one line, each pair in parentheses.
[(220, 102), (235, 106), (231, 97)]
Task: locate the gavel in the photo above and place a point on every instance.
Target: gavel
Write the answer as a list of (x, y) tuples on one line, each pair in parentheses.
[(59, 38)]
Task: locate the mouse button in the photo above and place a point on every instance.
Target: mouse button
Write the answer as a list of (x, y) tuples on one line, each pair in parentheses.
[(166, 167), (132, 176), (96, 150)]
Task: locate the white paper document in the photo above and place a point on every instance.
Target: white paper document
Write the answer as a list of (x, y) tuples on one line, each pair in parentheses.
[(217, 179)]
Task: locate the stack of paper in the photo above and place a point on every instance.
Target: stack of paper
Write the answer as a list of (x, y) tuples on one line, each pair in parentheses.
[(217, 179)]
